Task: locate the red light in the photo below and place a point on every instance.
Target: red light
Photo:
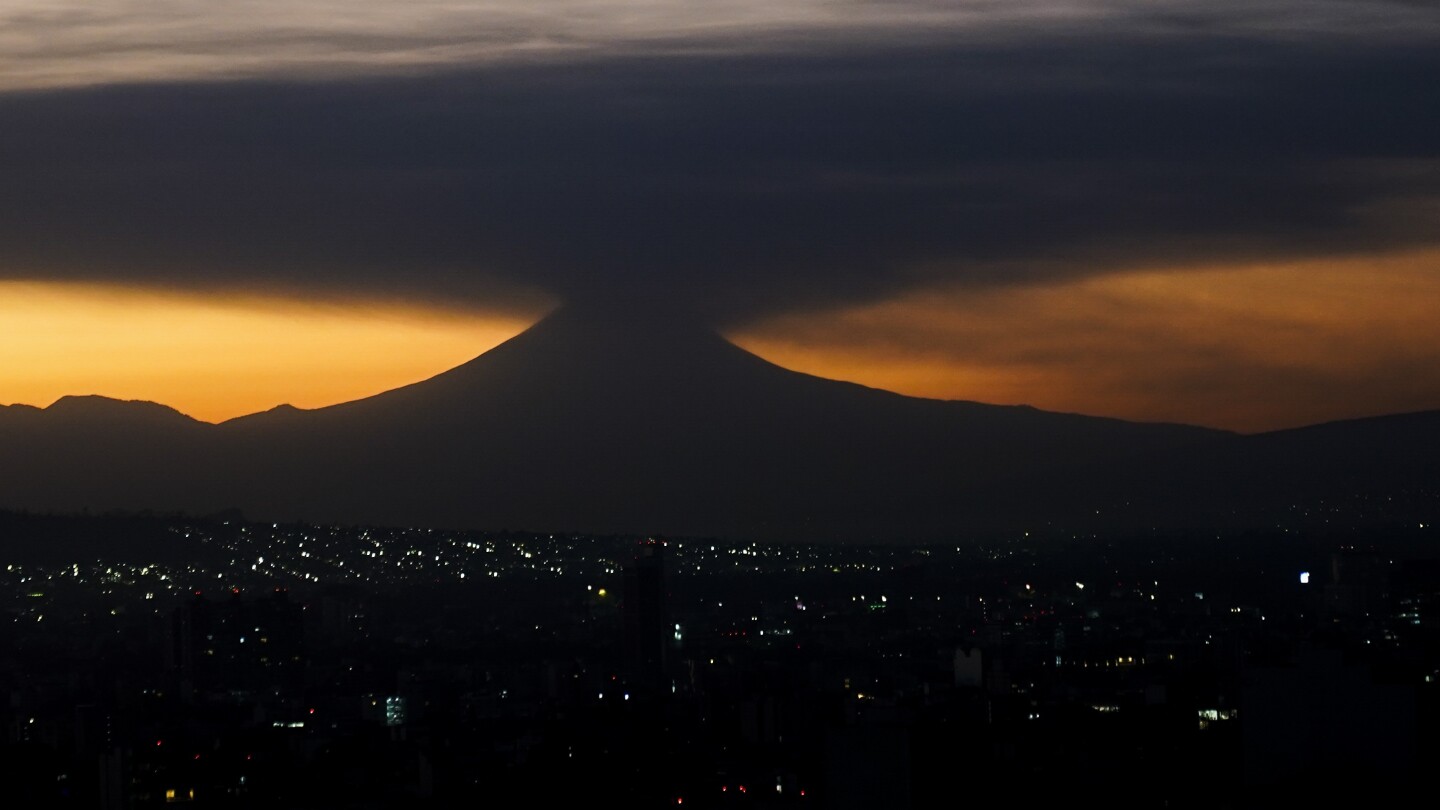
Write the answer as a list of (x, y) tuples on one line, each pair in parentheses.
[(158, 743), (802, 793), (724, 788), (197, 756), (312, 711), (742, 788)]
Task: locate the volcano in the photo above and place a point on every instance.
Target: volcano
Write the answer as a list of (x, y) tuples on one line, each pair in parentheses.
[(598, 422)]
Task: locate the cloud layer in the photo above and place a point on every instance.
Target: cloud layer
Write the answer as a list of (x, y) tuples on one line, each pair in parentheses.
[(743, 182), (55, 43)]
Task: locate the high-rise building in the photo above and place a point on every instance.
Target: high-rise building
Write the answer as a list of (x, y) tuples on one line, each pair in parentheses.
[(646, 619)]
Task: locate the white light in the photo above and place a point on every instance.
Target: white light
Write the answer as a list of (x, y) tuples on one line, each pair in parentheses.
[(1304, 577)]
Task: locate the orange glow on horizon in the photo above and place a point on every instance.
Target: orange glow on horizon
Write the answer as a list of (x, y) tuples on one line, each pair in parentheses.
[(215, 357), (1247, 347)]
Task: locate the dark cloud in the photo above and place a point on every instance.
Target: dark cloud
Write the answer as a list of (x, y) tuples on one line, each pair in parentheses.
[(734, 185)]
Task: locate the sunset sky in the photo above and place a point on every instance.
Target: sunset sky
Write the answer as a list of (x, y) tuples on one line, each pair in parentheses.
[(1224, 213)]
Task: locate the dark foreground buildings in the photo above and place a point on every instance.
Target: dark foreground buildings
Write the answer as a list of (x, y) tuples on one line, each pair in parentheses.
[(647, 625), (330, 668)]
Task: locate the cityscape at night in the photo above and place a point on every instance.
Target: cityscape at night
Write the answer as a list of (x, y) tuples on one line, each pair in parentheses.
[(240, 664)]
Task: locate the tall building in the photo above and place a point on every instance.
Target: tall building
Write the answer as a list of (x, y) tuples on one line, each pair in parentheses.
[(646, 620)]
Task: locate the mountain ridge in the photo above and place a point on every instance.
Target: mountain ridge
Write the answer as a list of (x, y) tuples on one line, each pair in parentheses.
[(591, 421)]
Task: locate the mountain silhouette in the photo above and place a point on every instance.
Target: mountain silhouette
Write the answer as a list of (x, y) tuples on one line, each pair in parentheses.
[(596, 420)]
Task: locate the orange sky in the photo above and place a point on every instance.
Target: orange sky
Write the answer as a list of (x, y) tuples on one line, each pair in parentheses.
[(215, 356), (1244, 347)]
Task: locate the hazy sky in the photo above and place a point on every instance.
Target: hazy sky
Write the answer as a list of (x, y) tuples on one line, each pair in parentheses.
[(1219, 212)]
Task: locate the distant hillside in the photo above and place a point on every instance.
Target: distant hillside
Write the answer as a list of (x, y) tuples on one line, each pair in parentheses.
[(597, 423)]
